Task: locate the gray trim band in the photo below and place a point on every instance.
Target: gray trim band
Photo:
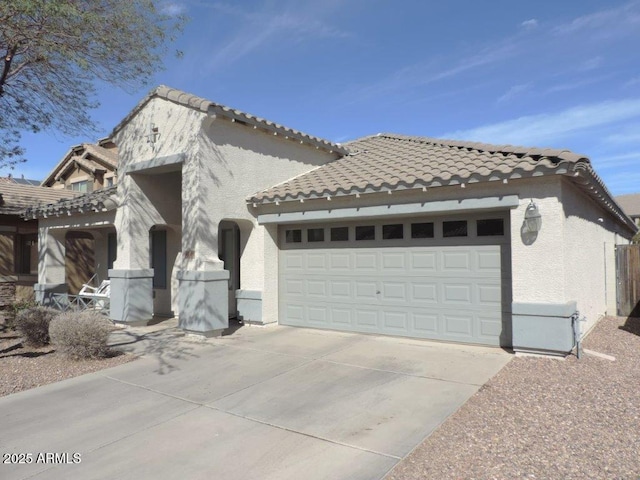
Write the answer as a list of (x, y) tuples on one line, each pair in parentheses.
[(507, 201), (249, 294), (142, 273), (209, 276), (156, 163), (544, 309)]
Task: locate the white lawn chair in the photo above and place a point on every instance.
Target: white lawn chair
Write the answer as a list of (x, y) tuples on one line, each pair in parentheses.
[(96, 298)]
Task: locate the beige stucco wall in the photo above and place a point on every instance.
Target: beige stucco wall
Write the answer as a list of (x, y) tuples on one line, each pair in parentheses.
[(236, 162), (590, 236), (223, 163), (144, 200)]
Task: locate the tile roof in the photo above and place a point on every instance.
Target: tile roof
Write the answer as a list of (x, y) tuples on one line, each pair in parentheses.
[(388, 162), (212, 108), (97, 201), (14, 198), (630, 204)]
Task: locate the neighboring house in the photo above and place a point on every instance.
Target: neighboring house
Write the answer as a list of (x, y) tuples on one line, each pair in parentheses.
[(19, 238), (86, 167), (19, 181), (220, 213), (631, 205)]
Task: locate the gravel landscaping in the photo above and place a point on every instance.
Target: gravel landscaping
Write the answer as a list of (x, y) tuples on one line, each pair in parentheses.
[(546, 418), (23, 367)]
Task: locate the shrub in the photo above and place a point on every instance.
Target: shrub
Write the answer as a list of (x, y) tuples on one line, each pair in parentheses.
[(81, 334), (33, 324)]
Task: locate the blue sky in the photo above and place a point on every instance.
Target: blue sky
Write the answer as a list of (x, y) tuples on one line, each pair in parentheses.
[(562, 74)]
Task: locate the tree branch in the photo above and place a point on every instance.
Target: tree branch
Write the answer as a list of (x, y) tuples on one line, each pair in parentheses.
[(11, 51)]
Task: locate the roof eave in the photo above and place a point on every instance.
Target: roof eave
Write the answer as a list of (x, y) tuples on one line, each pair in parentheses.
[(69, 207), (236, 116)]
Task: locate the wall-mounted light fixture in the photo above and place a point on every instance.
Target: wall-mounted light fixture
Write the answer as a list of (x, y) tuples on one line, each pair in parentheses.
[(532, 218)]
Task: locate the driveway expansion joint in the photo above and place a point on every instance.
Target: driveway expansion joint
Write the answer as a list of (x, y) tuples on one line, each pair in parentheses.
[(316, 437), (412, 375)]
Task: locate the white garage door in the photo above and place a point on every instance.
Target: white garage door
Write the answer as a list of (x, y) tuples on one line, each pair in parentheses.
[(409, 288)]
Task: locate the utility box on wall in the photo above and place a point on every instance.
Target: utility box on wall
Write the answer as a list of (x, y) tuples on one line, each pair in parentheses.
[(543, 328)]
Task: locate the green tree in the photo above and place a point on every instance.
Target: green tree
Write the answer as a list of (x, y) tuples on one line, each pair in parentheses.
[(56, 52)]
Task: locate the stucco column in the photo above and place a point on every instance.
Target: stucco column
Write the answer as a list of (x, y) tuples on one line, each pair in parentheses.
[(51, 264), (131, 296), (270, 295), (131, 278), (203, 299)]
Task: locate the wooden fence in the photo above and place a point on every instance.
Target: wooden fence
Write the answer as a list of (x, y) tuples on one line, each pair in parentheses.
[(628, 276)]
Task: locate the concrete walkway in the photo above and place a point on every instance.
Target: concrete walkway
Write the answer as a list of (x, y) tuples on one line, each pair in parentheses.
[(261, 403)]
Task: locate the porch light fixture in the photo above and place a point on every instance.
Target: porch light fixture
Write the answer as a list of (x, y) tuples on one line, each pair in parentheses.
[(532, 218)]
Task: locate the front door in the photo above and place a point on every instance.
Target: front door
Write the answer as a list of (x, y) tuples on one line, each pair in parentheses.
[(228, 252)]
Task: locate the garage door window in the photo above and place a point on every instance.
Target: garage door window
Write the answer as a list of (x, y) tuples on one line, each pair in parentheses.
[(365, 232), (315, 235), (490, 227), (422, 230), (457, 228), (293, 236), (393, 232), (340, 234)]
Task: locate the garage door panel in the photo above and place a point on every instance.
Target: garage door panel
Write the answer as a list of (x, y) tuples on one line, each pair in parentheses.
[(365, 290), (340, 262), (456, 294), (341, 317), (394, 292), (366, 261), (489, 294), (294, 287), (395, 321), (393, 262), (452, 293), (293, 262), (424, 292), (456, 261), (316, 288), (488, 261), (425, 324), (423, 262), (458, 325), (367, 319), (317, 315), (490, 327), (340, 289), (295, 314), (316, 263)]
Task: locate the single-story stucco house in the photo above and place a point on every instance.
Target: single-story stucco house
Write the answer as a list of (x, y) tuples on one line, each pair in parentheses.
[(220, 213)]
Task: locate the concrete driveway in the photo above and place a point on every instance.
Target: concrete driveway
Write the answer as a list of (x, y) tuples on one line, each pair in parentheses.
[(263, 403)]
